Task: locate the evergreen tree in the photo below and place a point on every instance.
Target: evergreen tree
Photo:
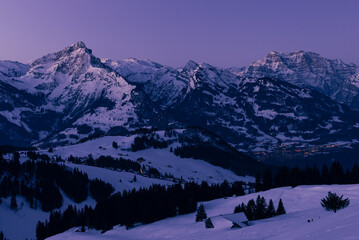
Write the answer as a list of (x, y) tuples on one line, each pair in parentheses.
[(41, 230), (237, 189), (267, 179), (1, 235), (209, 223), (201, 214), (114, 145), (13, 203), (270, 212), (325, 175), (258, 185), (280, 209), (333, 202), (250, 210), (260, 209)]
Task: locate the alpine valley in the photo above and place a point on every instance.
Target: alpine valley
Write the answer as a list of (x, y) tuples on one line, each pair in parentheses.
[(297, 99), (103, 144)]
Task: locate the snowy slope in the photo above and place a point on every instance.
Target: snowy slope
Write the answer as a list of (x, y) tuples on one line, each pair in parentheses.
[(162, 159), (302, 204), (21, 224), (163, 84), (11, 69), (349, 92)]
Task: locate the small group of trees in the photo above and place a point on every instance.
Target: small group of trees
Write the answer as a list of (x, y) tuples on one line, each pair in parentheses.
[(144, 142), (259, 209)]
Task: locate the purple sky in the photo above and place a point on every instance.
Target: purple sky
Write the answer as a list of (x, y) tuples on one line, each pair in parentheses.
[(222, 33)]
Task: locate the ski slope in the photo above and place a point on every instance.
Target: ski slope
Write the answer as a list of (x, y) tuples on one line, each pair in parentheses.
[(302, 204)]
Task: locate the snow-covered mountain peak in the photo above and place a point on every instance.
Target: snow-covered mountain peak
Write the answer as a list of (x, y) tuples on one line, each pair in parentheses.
[(133, 69), (79, 44), (190, 66), (304, 69)]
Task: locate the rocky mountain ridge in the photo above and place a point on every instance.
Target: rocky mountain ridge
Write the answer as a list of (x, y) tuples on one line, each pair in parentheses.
[(71, 95), (333, 78)]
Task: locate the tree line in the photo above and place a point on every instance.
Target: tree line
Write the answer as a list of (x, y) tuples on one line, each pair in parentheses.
[(259, 209), (228, 159), (138, 206), (127, 165), (144, 142), (40, 182), (311, 175)]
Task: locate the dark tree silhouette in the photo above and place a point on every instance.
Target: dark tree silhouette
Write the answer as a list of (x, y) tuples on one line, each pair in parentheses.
[(258, 185), (280, 209), (13, 203), (201, 214), (209, 223), (270, 212), (333, 202)]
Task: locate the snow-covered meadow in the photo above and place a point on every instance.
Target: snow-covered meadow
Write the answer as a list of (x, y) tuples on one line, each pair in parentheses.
[(302, 204)]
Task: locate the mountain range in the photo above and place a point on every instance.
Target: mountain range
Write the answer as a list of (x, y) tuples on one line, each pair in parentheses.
[(71, 95)]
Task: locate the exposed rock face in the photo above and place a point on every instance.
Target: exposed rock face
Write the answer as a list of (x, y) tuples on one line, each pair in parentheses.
[(71, 94), (306, 69)]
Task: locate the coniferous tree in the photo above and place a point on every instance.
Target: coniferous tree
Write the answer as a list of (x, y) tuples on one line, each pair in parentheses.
[(325, 175), (1, 235), (250, 210), (208, 223), (41, 230), (333, 202), (280, 209), (267, 179), (114, 145), (13, 203), (201, 213), (237, 189), (260, 209), (270, 212), (258, 183)]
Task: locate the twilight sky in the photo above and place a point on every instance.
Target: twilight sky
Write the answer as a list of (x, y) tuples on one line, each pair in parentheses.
[(222, 33)]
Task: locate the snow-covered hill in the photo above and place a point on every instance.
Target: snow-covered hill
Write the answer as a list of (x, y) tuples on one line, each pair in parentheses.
[(305, 219), (165, 161), (21, 223), (178, 169)]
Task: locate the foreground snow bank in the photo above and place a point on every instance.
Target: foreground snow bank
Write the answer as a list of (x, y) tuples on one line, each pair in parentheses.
[(302, 204)]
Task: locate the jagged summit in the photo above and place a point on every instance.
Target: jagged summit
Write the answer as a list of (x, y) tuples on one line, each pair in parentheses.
[(304, 69), (79, 44), (79, 95), (190, 66)]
